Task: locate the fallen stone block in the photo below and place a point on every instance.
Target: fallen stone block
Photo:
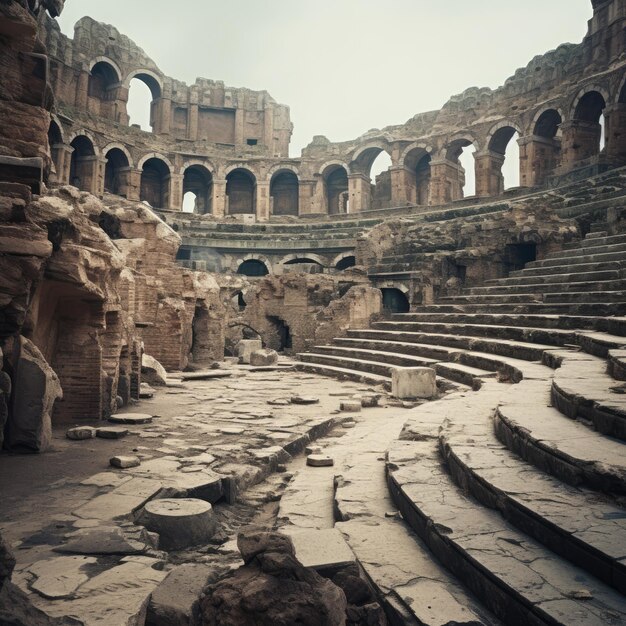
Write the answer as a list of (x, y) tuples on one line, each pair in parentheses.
[(369, 401), (111, 432), (130, 418), (152, 371), (304, 400), (246, 347), (350, 406), (326, 551), (80, 433), (179, 522), (124, 462), (408, 383), (145, 391), (107, 540), (264, 358)]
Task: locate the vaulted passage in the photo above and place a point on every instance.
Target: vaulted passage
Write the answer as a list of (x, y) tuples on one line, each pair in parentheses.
[(116, 171), (336, 190), (83, 164), (459, 178), (143, 95), (253, 268), (279, 337), (583, 137), (103, 81), (197, 190), (155, 183), (284, 191), (241, 192), (418, 175), (394, 301), (500, 169), (543, 153)]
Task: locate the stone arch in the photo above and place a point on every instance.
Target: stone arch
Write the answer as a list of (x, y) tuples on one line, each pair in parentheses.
[(282, 167), (341, 256), (582, 93), (299, 256), (416, 158), (395, 298), (541, 148), (104, 79), (285, 192), (241, 186), (156, 175), (335, 188), (549, 114), (54, 120), (451, 181), (502, 163), (153, 81), (118, 146), (364, 156), (344, 261), (452, 148), (155, 155), (248, 263), (108, 61), (198, 182), (84, 163), (207, 165), (83, 132), (241, 166), (116, 169), (333, 163), (500, 135)]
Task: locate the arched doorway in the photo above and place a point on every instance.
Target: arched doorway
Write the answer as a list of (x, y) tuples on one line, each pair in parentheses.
[(502, 164), (284, 192), (336, 190), (55, 141), (103, 81), (345, 263), (590, 111), (417, 162), (115, 171), (155, 183), (83, 164), (241, 192), (253, 268), (144, 92), (543, 154), (461, 171), (394, 301), (197, 190)]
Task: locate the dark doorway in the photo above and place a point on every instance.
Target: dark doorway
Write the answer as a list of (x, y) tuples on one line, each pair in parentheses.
[(282, 332), (394, 301)]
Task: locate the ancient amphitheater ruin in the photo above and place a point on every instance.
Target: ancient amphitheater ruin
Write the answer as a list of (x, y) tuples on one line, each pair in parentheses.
[(239, 387)]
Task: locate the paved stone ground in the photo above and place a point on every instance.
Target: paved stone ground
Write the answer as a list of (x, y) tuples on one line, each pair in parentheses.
[(69, 515)]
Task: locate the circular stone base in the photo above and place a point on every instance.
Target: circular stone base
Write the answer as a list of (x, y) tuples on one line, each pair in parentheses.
[(130, 418), (180, 522), (319, 460)]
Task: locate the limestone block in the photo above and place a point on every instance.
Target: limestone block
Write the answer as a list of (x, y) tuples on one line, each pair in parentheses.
[(111, 432), (319, 460), (351, 406), (408, 383), (152, 371), (81, 433), (124, 462), (264, 358), (36, 388), (180, 522), (324, 550), (246, 347)]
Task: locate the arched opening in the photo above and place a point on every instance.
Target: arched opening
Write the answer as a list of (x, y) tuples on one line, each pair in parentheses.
[(380, 179), (103, 81), (197, 190), (284, 192), (55, 136), (304, 265), (279, 338), (544, 153), (155, 183), (345, 263), (200, 337), (394, 301), (461, 181), (253, 268), (143, 93), (417, 161), (241, 192), (303, 260), (114, 172), (239, 301), (82, 164), (55, 141), (590, 111), (505, 172), (336, 190)]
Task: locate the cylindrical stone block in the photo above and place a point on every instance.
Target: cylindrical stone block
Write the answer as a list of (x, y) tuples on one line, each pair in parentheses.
[(180, 522)]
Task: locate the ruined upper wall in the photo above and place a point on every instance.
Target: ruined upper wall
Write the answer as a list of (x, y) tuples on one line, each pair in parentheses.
[(207, 112)]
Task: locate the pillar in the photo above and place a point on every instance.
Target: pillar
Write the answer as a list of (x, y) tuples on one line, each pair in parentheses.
[(403, 187), (192, 123), (447, 180), (539, 157), (175, 199), (615, 129), (100, 173), (82, 91), (580, 141), (263, 202), (219, 198), (239, 126), (133, 184), (489, 178), (360, 192), (62, 157), (306, 198)]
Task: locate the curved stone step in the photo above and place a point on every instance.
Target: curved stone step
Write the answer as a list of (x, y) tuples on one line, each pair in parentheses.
[(582, 388), (547, 288), (579, 525), (559, 270), (344, 373), (528, 424), (598, 309), (523, 278), (513, 575)]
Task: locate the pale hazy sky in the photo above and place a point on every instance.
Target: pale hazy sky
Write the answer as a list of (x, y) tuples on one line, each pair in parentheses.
[(343, 66)]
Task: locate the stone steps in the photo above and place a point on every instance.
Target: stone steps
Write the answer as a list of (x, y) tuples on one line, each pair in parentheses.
[(593, 240), (573, 297), (547, 288), (574, 260), (343, 373), (521, 278), (512, 574), (559, 270), (604, 309), (528, 424), (583, 249), (557, 515)]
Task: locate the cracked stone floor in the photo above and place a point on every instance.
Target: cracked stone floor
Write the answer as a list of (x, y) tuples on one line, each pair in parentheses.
[(69, 515)]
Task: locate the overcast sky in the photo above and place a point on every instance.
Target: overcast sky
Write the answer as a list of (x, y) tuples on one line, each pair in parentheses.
[(343, 66)]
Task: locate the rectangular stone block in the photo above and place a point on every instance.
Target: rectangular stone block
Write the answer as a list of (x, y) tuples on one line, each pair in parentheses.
[(410, 383), (246, 347)]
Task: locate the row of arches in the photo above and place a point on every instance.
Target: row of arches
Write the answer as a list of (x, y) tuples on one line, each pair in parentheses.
[(257, 266)]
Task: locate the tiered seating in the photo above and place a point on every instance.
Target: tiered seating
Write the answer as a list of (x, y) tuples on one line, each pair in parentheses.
[(516, 486)]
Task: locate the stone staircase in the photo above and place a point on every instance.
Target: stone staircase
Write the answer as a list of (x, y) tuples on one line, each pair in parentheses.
[(515, 479)]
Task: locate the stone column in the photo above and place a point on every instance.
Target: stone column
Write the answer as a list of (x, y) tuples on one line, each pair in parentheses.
[(306, 197), (539, 157), (447, 180), (125, 174), (489, 178), (580, 141), (122, 98), (176, 193), (239, 126), (268, 130), (263, 202), (133, 184), (62, 157), (87, 173), (192, 124), (403, 186), (219, 198), (360, 192), (82, 91), (101, 169), (615, 129)]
